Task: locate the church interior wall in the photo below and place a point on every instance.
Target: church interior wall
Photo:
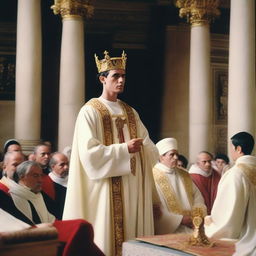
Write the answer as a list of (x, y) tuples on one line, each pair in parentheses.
[(143, 30), (175, 118)]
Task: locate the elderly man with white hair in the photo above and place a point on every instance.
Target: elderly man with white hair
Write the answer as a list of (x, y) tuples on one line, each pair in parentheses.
[(177, 192)]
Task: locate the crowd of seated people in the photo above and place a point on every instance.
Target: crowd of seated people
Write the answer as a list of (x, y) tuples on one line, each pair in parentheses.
[(23, 197), (34, 191)]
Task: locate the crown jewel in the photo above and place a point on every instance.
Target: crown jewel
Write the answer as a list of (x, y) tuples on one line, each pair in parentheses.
[(109, 63)]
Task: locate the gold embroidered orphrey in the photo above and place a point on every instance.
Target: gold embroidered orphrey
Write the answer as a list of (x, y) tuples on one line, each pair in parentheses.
[(171, 200), (249, 172), (116, 187)]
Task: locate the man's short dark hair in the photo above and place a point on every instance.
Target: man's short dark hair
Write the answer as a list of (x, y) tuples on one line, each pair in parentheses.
[(223, 157), (105, 74), (245, 140), (184, 161)]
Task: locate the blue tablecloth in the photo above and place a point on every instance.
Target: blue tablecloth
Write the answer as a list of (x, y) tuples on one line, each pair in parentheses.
[(138, 248)]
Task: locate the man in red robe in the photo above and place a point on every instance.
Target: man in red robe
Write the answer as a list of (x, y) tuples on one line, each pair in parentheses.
[(24, 202), (205, 178)]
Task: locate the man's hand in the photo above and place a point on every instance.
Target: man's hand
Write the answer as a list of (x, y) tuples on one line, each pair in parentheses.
[(187, 221), (44, 225), (134, 145), (207, 220)]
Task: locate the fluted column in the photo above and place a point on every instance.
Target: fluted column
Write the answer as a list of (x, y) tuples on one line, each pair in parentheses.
[(28, 74), (241, 96), (72, 67), (199, 14)]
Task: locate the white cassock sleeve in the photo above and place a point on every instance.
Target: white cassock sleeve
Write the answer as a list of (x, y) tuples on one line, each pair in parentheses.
[(99, 161), (198, 198), (8, 223), (229, 207), (168, 222)]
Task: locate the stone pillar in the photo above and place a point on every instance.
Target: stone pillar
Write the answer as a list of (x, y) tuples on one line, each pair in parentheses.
[(241, 92), (28, 74), (72, 66), (200, 14), (174, 118)]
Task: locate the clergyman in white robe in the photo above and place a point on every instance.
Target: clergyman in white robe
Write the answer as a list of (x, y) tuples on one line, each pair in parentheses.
[(21, 194), (178, 195), (94, 165), (234, 210)]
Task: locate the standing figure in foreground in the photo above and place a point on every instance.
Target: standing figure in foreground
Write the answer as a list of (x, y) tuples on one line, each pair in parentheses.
[(110, 177), (234, 210)]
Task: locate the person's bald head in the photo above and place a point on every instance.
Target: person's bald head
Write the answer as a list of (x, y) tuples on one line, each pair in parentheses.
[(11, 161), (59, 164), (204, 161)]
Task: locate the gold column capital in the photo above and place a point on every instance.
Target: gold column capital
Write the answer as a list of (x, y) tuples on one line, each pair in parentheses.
[(198, 12), (73, 8)]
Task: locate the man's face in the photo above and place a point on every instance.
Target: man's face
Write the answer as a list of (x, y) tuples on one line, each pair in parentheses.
[(42, 156), (114, 82), (170, 159), (220, 163), (61, 167), (14, 147), (204, 162), (180, 164), (10, 165), (33, 179)]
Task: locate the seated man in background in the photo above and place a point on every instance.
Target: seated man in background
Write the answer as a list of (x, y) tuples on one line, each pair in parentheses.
[(27, 198), (58, 176), (222, 163), (10, 163), (176, 190), (42, 155), (234, 210), (205, 178), (11, 145), (182, 162)]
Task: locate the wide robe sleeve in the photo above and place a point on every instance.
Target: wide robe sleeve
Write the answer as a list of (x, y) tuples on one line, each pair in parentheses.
[(9, 223), (168, 221), (99, 161), (229, 206), (198, 198)]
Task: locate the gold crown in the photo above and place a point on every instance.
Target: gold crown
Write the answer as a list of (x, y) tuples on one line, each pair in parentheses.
[(110, 63)]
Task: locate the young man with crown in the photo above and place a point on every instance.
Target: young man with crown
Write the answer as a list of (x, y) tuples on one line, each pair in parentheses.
[(110, 180)]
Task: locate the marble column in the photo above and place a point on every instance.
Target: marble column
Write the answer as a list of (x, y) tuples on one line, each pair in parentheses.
[(241, 89), (72, 66), (28, 74), (200, 14), (200, 114), (174, 118)]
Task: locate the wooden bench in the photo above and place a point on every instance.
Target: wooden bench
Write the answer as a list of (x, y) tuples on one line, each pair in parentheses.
[(30, 242)]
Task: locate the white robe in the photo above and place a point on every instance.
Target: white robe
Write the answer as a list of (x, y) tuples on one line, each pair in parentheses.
[(170, 222), (9, 223), (21, 194), (91, 167), (234, 210), (61, 181)]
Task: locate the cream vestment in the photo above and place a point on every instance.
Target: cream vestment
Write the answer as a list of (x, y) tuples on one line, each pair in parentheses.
[(21, 194), (101, 186), (9, 223), (178, 196), (234, 210)]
